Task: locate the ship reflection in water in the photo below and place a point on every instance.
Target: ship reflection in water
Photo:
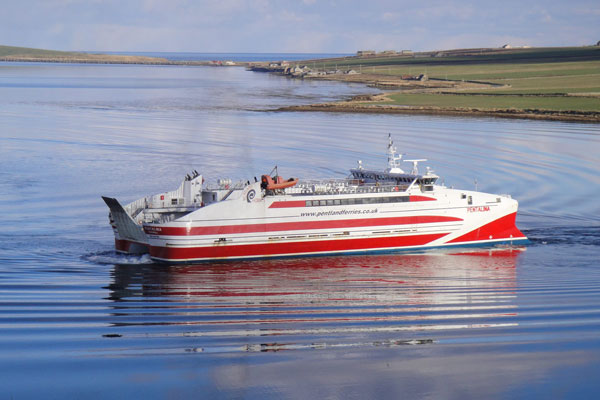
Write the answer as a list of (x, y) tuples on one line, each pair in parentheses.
[(314, 303)]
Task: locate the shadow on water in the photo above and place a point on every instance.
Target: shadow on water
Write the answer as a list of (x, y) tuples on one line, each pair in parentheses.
[(304, 303)]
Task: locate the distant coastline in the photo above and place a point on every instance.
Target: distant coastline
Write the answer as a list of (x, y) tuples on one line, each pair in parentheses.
[(561, 84), (22, 54), (532, 83), (235, 57)]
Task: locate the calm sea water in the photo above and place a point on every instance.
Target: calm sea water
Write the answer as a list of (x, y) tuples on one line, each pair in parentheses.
[(79, 321)]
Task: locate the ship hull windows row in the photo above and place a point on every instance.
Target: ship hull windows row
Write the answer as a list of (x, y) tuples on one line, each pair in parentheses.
[(352, 201)]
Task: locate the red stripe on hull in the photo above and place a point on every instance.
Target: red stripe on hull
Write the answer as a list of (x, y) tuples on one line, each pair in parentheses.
[(276, 249), (293, 226), (420, 198), (127, 246), (122, 245), (502, 228), (288, 204)]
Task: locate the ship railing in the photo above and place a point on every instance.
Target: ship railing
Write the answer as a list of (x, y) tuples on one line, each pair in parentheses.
[(215, 186), (136, 207), (343, 186)]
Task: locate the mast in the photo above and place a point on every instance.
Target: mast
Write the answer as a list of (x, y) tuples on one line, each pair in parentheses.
[(393, 158)]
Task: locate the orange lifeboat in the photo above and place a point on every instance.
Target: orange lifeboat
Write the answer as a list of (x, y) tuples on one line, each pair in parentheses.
[(277, 182)]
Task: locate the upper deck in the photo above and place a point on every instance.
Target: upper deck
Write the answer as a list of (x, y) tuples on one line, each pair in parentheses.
[(193, 194), (352, 186)]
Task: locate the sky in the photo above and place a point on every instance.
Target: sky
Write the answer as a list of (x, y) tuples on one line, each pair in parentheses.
[(312, 26)]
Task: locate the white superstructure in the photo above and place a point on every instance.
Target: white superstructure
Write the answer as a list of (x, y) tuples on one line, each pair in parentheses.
[(370, 211)]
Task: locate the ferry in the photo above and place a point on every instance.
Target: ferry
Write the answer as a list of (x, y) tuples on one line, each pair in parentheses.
[(370, 211)]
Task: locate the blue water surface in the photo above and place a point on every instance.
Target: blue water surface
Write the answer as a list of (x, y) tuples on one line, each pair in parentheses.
[(79, 321)]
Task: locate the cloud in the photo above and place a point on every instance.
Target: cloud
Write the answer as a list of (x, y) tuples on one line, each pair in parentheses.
[(389, 16), (289, 26)]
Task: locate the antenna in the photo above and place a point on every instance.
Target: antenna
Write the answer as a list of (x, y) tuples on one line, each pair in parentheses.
[(415, 168), (393, 158)]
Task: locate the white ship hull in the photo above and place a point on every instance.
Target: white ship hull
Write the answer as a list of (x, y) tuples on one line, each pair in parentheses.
[(371, 211), (284, 226)]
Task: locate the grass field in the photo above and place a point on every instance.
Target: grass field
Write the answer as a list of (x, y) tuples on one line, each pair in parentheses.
[(566, 79), (466, 57), (482, 102), (530, 78), (12, 51)]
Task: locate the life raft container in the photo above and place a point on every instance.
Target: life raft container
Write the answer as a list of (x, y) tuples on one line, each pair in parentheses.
[(277, 183)]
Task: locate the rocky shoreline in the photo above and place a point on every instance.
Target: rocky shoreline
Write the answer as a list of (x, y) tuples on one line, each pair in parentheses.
[(421, 85), (360, 104)]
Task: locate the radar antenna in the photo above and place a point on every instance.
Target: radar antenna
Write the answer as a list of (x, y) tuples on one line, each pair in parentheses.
[(415, 168)]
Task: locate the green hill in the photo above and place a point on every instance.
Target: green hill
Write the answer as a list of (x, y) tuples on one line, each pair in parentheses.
[(11, 53)]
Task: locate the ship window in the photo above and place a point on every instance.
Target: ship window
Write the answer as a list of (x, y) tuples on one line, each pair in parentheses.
[(337, 202), (470, 200), (463, 196), (322, 202), (329, 202), (173, 202), (308, 203)]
